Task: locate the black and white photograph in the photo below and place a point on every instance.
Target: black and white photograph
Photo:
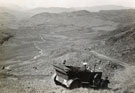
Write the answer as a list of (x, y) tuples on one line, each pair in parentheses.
[(67, 46)]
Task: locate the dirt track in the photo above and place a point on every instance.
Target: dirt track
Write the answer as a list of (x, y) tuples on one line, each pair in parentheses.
[(109, 59)]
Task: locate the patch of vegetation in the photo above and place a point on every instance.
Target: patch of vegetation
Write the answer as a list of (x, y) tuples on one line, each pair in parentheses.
[(5, 37)]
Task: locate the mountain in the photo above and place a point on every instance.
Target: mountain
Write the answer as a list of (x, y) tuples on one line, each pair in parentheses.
[(13, 7), (62, 9), (49, 10), (120, 16), (12, 10), (84, 17), (18, 12), (11, 16), (77, 18), (104, 7), (6, 19)]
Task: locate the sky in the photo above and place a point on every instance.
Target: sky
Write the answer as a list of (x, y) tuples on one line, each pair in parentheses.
[(66, 3)]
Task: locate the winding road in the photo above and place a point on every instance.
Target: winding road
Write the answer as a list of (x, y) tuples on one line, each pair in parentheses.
[(109, 58)]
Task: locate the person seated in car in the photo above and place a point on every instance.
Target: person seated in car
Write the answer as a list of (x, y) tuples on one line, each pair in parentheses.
[(64, 62), (85, 67)]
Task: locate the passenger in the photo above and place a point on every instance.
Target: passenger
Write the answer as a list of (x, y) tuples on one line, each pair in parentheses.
[(64, 62), (84, 67)]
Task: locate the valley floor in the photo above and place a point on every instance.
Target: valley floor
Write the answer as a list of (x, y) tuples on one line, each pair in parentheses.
[(32, 74)]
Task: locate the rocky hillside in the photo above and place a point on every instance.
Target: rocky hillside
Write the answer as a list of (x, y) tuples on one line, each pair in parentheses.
[(120, 43), (124, 43)]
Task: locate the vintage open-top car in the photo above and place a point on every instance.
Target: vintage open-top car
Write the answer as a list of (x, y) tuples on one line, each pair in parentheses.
[(74, 77)]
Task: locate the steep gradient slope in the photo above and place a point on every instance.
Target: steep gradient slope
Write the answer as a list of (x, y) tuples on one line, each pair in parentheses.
[(120, 43), (124, 43)]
